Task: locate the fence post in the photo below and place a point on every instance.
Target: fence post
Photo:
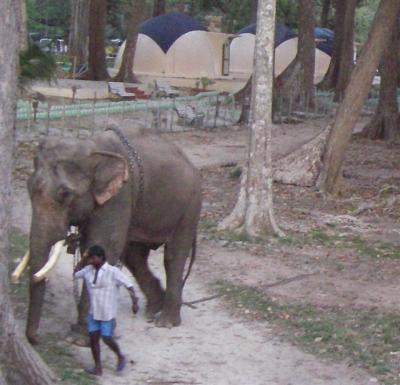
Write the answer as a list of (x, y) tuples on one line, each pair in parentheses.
[(94, 113), (48, 119)]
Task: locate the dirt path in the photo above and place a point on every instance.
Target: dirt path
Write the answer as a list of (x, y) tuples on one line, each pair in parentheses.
[(210, 348)]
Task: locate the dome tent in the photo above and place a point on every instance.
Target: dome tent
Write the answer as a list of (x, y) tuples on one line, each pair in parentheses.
[(324, 38), (175, 44), (242, 50), (166, 29)]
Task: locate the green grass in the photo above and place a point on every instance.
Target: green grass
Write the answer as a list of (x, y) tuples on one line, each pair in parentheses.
[(59, 357), (368, 338), (55, 352), (315, 237)]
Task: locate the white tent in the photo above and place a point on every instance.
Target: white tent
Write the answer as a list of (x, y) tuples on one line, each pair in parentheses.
[(149, 57), (242, 53), (194, 54)]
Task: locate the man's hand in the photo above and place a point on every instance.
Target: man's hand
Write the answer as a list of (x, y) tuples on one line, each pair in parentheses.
[(83, 262), (135, 304)]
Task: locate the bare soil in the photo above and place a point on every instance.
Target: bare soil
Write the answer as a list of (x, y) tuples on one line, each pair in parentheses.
[(337, 252)]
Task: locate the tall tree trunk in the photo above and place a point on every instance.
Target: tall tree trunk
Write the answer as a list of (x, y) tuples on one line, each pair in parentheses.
[(297, 81), (79, 31), (97, 52), (338, 74), (254, 10), (22, 24), (159, 7), (19, 363), (326, 7), (253, 213), (385, 122), (356, 92), (125, 73), (347, 50)]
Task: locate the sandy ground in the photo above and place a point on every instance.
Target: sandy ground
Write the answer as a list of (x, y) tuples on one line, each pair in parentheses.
[(212, 347)]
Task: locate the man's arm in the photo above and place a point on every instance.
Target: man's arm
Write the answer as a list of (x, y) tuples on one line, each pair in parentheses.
[(135, 304), (123, 280), (79, 270)]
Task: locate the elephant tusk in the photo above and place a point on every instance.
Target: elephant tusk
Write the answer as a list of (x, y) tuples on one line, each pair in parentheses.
[(16, 274), (51, 262)]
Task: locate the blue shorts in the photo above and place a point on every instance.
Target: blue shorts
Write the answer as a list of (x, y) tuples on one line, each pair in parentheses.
[(106, 328)]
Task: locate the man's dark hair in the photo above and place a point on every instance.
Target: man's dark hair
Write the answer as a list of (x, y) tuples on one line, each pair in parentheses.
[(97, 250)]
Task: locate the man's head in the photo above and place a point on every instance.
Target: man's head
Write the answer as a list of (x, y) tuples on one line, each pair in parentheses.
[(96, 255)]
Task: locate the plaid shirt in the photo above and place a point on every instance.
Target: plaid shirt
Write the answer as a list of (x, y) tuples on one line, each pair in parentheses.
[(103, 293)]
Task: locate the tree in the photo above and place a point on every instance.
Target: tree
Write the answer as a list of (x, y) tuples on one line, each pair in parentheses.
[(19, 363), (385, 122), (159, 7), (125, 73), (356, 92), (338, 74), (297, 81), (253, 212), (97, 52), (21, 25), (79, 32), (326, 7)]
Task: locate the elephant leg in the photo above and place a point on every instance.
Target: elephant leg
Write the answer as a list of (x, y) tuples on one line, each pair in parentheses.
[(83, 308), (175, 255), (136, 257)]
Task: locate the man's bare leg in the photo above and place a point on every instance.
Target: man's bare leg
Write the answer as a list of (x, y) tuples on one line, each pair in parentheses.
[(112, 344), (95, 347)]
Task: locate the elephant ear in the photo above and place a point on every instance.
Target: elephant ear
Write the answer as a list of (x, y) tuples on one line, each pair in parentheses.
[(111, 171)]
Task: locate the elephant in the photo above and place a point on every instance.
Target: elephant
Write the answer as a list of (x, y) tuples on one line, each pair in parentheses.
[(126, 189)]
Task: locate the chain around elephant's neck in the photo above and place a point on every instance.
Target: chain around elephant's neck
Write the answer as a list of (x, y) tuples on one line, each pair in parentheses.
[(134, 160)]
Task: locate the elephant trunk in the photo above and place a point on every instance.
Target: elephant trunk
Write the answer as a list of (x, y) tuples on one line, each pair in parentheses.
[(43, 235)]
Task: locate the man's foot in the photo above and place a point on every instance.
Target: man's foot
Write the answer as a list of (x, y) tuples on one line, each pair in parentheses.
[(121, 364), (94, 371)]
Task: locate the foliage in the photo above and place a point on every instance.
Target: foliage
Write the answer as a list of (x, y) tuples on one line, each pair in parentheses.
[(50, 18), (364, 17), (36, 65)]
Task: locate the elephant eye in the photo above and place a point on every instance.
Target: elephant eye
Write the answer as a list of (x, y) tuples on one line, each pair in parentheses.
[(64, 194)]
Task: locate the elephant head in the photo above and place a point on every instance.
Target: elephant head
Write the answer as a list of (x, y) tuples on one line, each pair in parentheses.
[(70, 179)]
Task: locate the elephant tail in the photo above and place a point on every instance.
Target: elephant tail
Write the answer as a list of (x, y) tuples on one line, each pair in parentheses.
[(192, 259)]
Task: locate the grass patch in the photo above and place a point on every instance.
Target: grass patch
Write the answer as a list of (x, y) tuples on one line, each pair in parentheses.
[(54, 352), (60, 358), (375, 249), (368, 338)]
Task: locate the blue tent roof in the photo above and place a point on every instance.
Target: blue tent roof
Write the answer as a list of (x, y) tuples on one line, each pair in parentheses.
[(326, 35), (282, 32), (166, 29)]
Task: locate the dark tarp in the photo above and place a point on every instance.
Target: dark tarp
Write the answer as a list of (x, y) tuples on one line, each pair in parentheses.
[(166, 29), (325, 39), (282, 32)]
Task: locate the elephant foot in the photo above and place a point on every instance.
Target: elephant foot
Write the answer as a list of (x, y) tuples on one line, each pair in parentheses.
[(78, 340), (152, 309), (32, 338), (79, 335), (163, 320)]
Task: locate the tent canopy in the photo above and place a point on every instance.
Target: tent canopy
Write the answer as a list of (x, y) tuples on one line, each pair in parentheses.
[(325, 37), (282, 32), (166, 29)]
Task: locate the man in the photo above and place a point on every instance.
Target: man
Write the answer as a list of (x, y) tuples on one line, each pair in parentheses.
[(103, 281)]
